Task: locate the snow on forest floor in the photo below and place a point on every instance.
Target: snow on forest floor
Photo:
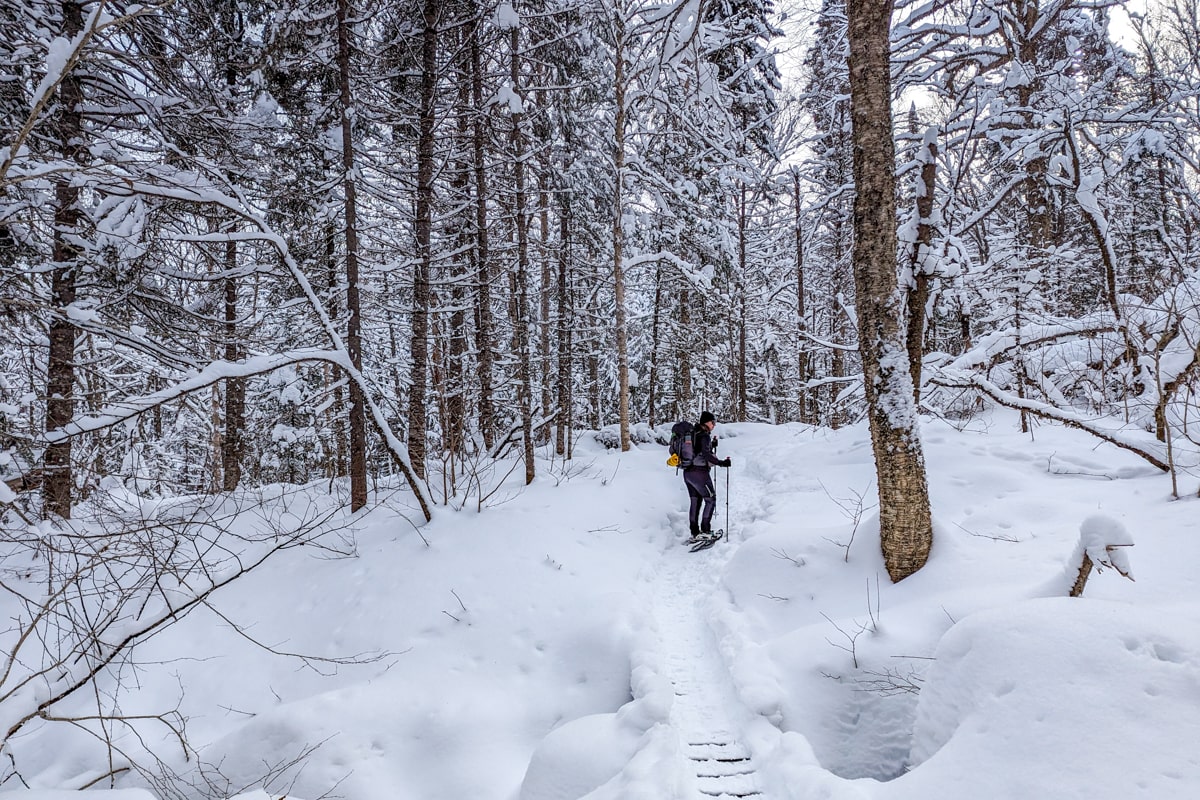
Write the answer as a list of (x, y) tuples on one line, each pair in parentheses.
[(564, 643)]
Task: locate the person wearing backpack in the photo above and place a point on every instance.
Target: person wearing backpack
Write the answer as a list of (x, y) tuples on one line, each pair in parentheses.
[(697, 477)]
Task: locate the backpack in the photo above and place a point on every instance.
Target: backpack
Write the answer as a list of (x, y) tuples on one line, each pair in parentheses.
[(683, 445)]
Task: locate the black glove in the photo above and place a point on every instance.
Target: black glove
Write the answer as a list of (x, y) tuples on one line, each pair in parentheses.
[(726, 463)]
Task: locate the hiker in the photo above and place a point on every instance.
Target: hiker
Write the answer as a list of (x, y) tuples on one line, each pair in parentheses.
[(698, 480)]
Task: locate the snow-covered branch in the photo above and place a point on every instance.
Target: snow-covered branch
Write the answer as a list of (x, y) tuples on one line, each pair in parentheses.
[(1141, 444)]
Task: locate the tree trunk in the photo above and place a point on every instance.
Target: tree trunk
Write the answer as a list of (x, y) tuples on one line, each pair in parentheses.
[(235, 388), (683, 385), (619, 236), (566, 316), (545, 296), (358, 418), (655, 336), (58, 479), (454, 424), (594, 395), (802, 364), (740, 284), (918, 294), (336, 413), (216, 426), (483, 296), (521, 299), (838, 327), (419, 348), (906, 530), (393, 348)]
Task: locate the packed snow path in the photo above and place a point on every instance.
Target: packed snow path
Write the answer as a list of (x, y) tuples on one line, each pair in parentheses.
[(707, 713)]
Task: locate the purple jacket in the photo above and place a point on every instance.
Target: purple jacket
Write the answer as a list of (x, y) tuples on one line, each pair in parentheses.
[(704, 449)]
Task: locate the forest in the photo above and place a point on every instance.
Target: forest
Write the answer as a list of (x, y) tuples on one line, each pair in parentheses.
[(414, 246), (247, 243)]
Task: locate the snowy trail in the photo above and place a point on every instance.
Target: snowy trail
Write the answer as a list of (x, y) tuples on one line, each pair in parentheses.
[(707, 714)]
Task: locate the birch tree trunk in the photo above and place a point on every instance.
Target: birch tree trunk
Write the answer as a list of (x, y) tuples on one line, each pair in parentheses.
[(905, 523), (918, 294), (839, 326)]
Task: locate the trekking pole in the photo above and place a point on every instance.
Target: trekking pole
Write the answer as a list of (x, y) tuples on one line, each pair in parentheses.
[(726, 504)]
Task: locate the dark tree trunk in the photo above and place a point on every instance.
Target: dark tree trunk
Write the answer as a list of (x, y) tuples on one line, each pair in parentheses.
[(358, 419), (655, 337), (683, 356), (743, 225), (58, 478), (454, 423), (521, 296), (418, 379), (337, 411), (593, 361), (235, 388), (562, 445), (802, 364), (483, 301), (906, 529), (545, 295)]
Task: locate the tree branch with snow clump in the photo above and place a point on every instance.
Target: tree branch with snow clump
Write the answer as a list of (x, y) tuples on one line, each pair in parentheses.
[(1100, 541)]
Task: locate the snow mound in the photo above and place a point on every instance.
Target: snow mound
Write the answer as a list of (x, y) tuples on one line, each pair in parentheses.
[(1009, 685), (591, 752)]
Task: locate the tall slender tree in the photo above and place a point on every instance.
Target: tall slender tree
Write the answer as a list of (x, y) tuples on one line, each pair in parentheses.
[(58, 482), (431, 13), (354, 343)]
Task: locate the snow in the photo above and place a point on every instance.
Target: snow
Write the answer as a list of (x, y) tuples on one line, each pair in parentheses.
[(507, 96), (507, 17), (562, 643), (81, 311)]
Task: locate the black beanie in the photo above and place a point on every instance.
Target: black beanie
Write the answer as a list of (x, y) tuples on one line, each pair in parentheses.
[(707, 416)]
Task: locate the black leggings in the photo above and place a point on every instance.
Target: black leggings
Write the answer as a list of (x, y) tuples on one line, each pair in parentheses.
[(700, 491)]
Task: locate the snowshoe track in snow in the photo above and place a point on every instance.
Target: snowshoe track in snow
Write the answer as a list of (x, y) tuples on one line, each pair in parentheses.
[(723, 769), (707, 713)]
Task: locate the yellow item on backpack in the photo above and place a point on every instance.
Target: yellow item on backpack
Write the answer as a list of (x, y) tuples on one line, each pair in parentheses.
[(673, 461)]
